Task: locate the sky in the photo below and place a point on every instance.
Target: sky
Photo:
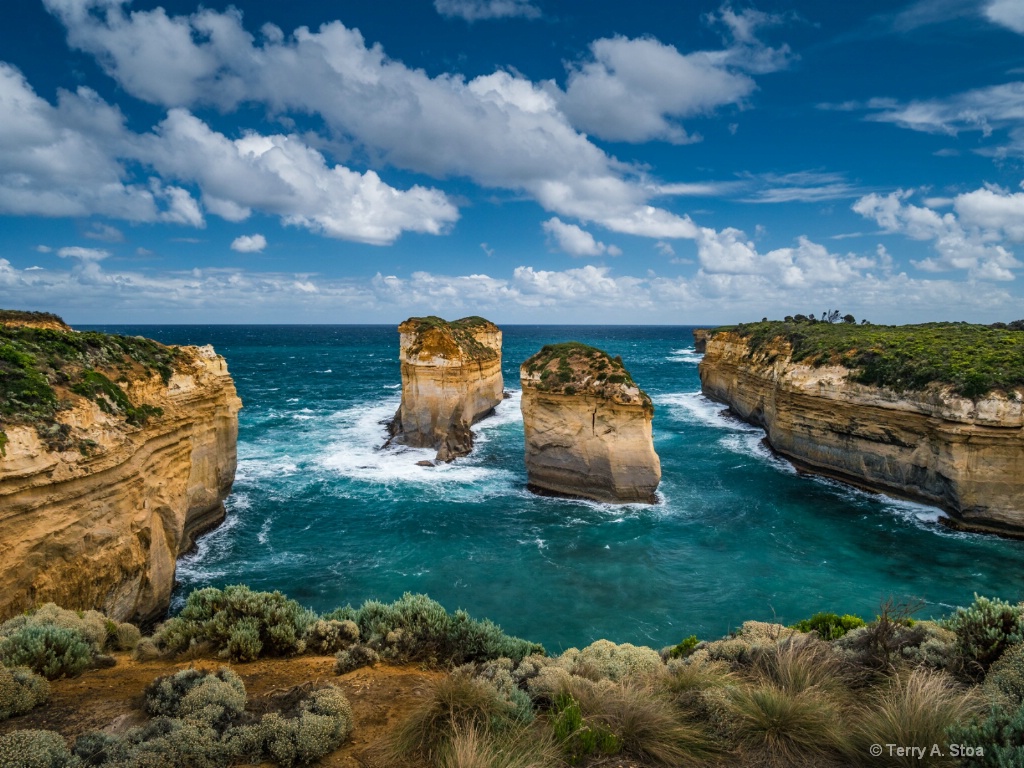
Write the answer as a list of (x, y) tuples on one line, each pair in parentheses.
[(533, 161)]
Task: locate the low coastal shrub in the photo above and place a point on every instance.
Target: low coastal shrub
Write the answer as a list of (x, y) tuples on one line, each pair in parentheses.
[(473, 746), (580, 739), (199, 721), (46, 649), (34, 749), (605, 660), (997, 737), (1005, 678), (20, 691), (985, 629), (238, 624), (683, 648), (353, 658), (829, 626), (92, 626), (331, 636)]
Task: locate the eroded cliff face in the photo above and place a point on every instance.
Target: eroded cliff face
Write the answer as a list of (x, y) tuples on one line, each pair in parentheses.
[(100, 522), (451, 378), (588, 427), (964, 456)]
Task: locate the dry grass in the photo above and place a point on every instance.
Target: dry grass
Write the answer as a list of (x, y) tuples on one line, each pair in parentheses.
[(914, 709), (474, 746), (650, 727), (800, 663)]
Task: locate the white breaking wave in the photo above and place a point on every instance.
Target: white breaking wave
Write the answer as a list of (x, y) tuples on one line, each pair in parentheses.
[(695, 408), (685, 355)]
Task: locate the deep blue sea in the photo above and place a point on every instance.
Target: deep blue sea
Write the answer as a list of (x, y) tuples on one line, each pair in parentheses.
[(321, 513)]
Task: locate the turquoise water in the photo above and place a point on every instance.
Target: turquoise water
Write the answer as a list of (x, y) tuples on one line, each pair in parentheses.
[(320, 513)]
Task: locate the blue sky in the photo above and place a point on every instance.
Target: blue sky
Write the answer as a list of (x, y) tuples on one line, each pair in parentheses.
[(528, 160)]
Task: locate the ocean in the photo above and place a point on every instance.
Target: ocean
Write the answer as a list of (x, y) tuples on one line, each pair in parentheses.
[(321, 513)]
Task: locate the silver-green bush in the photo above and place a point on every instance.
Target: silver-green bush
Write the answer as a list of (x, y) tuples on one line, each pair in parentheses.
[(21, 690), (47, 649), (34, 749)]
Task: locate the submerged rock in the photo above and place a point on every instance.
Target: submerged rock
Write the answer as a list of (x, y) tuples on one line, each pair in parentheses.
[(451, 378), (588, 427)]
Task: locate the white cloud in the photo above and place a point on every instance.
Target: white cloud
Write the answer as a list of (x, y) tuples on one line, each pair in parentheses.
[(576, 241), (249, 243), (475, 10), (637, 90), (499, 130), (61, 160), (85, 254), (665, 249), (43, 249), (100, 231), (1008, 13), (965, 238), (585, 294), (802, 186)]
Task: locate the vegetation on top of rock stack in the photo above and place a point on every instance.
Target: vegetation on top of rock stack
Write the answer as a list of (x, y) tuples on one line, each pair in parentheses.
[(22, 316), (571, 367), (40, 366), (448, 339), (972, 359)]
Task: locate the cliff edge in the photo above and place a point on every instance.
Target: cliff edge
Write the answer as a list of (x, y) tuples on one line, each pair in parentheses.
[(931, 413), (451, 378), (588, 426), (115, 452)]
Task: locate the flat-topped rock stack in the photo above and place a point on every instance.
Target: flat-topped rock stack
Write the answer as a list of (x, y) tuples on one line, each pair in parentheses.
[(451, 378), (588, 427)]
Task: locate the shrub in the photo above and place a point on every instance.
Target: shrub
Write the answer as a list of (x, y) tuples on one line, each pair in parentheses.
[(47, 649), (984, 630), (20, 691), (884, 643), (238, 623), (604, 659), (416, 628), (1005, 678), (829, 626), (580, 739), (213, 698), (145, 650), (324, 722), (498, 674), (99, 748), (999, 735), (90, 625), (353, 658), (914, 709), (126, 637), (33, 749), (684, 648), (330, 636), (799, 664)]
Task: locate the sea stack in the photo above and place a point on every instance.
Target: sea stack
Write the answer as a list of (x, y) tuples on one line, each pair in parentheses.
[(588, 427), (451, 378), (116, 453)]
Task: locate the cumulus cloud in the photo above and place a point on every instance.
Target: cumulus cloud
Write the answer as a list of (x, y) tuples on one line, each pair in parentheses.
[(249, 243), (576, 241), (85, 254), (584, 294), (73, 159), (965, 238), (475, 10), (499, 130), (1008, 13), (60, 160)]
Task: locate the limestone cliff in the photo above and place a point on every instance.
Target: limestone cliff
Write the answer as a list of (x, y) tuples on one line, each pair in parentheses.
[(451, 378), (120, 453), (700, 339), (931, 445), (588, 427)]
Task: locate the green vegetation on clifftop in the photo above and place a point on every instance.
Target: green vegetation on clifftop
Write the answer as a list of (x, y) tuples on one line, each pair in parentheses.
[(448, 338), (39, 366), (571, 368), (972, 359)]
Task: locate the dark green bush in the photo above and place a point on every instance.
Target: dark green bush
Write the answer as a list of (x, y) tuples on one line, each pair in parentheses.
[(685, 648), (984, 630), (47, 649), (829, 626), (999, 735), (579, 738)]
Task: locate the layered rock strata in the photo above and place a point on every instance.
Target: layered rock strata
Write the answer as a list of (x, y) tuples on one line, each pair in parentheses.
[(700, 339), (965, 456), (451, 378), (99, 520), (588, 427)]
